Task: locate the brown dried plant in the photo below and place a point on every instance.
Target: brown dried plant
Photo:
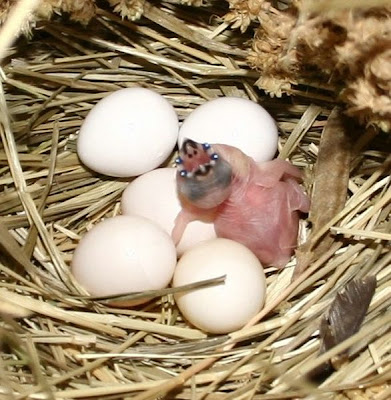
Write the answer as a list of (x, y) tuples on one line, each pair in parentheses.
[(130, 9), (344, 49), (80, 11)]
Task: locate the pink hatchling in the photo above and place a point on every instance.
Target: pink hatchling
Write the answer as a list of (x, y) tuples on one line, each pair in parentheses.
[(257, 205)]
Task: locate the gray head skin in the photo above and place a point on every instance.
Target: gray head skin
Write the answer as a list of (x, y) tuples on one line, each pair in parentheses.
[(203, 178)]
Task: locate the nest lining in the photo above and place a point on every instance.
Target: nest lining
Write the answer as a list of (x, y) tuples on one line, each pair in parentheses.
[(57, 343)]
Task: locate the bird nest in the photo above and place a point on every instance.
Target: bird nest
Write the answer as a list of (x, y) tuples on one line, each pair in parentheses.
[(56, 343)]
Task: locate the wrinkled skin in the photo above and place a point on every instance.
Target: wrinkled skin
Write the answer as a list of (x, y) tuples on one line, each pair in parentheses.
[(257, 205)]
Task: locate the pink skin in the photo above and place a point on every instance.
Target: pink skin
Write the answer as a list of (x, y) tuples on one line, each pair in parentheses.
[(259, 207)]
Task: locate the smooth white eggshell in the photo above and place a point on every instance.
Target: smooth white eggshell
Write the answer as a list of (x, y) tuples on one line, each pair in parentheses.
[(235, 121), (154, 196), (124, 254), (127, 133), (227, 307)]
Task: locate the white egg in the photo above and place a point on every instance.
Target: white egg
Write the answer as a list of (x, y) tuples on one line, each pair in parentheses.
[(235, 121), (227, 307), (154, 196), (127, 133), (124, 254)]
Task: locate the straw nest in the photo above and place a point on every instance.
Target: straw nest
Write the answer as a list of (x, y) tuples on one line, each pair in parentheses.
[(57, 344)]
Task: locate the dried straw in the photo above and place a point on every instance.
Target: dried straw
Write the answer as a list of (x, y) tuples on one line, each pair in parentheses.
[(59, 344)]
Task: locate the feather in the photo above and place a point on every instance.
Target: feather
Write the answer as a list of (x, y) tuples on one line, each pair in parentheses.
[(344, 318), (330, 187)]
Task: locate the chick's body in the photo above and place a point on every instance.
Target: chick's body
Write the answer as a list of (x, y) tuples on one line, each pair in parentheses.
[(264, 218), (261, 208)]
